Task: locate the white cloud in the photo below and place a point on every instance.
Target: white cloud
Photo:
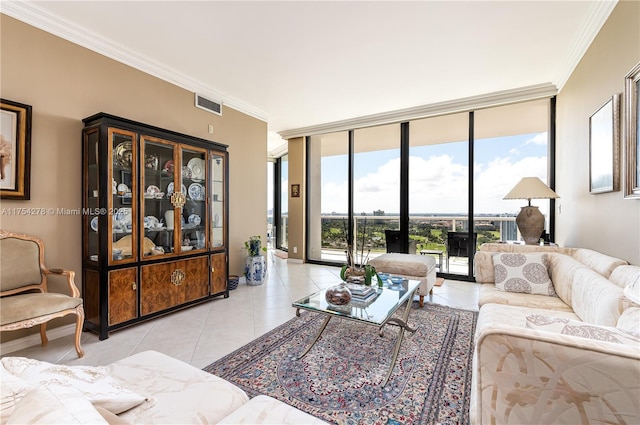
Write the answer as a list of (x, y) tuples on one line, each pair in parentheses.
[(538, 139)]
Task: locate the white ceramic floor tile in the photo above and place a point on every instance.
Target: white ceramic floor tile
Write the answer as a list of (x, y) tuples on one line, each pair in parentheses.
[(204, 333)]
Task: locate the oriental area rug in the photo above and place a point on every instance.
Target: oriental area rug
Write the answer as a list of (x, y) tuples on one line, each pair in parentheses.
[(339, 380)]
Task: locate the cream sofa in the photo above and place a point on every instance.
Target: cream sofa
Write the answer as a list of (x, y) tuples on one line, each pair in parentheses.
[(144, 388), (536, 359)]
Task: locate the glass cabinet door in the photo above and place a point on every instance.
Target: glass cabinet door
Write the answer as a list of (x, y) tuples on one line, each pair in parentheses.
[(158, 182), (122, 214), (194, 212), (91, 195), (217, 193)]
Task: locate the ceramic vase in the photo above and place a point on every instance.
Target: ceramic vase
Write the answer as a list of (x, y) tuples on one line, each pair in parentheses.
[(255, 270)]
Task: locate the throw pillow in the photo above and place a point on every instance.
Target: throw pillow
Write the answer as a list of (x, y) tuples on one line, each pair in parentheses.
[(580, 329), (523, 272), (42, 406), (13, 389), (92, 382)]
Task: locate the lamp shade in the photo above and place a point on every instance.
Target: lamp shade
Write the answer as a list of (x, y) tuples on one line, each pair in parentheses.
[(531, 188)]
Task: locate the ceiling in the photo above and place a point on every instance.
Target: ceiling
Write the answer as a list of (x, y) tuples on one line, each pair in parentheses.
[(301, 64)]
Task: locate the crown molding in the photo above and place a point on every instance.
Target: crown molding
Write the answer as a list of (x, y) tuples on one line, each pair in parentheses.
[(33, 15), (596, 18), (538, 91)]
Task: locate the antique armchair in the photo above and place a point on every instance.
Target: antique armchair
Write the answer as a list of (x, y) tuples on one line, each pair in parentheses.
[(24, 298)]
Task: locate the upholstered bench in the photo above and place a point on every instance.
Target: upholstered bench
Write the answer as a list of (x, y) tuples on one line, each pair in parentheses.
[(410, 266)]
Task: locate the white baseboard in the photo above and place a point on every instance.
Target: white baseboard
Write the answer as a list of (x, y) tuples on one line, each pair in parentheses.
[(34, 339), (295, 261)]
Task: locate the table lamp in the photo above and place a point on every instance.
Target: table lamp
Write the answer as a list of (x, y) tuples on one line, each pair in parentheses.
[(530, 220)]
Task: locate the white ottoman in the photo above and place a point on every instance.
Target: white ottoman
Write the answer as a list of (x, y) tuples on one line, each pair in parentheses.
[(410, 266)]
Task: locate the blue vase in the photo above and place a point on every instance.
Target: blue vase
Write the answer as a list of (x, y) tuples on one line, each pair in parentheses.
[(255, 270)]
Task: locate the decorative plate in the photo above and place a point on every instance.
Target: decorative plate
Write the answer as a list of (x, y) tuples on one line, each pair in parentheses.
[(123, 215), (150, 222), (152, 190), (94, 224), (196, 192), (186, 172), (197, 168), (168, 167), (123, 154), (194, 219), (170, 189), (122, 189)]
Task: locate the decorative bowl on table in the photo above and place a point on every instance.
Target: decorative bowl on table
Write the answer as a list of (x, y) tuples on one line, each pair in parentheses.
[(396, 280), (338, 295), (186, 248)]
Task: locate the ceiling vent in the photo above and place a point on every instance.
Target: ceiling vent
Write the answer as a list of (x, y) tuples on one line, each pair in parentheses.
[(208, 105)]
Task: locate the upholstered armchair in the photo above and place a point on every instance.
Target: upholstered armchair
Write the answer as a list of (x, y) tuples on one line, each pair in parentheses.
[(24, 297)]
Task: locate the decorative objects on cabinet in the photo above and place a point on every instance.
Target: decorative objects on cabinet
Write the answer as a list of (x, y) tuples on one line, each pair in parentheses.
[(154, 224)]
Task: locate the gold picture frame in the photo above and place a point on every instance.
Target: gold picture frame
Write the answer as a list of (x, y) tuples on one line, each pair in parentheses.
[(15, 150), (632, 134)]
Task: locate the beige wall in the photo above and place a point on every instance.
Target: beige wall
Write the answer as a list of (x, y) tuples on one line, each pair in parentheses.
[(604, 222), (65, 83)]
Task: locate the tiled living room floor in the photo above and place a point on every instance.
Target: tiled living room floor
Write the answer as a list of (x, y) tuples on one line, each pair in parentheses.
[(204, 333)]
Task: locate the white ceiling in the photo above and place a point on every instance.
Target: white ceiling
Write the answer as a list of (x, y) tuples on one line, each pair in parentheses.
[(300, 64)]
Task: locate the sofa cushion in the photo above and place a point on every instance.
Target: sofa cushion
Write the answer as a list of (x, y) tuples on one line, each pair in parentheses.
[(603, 264), (629, 321), (523, 273), (623, 276), (92, 382), (179, 393), (267, 410), (577, 328), (13, 389), (489, 294), (595, 299), (43, 405)]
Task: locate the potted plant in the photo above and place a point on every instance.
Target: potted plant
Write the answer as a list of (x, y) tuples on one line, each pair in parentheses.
[(254, 246), (358, 268)]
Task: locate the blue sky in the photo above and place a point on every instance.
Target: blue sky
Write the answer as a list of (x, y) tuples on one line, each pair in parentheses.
[(438, 175)]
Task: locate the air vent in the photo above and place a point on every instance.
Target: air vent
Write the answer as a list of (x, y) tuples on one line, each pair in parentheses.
[(208, 105)]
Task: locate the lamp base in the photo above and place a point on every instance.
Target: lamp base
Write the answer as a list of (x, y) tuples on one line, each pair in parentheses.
[(530, 222)]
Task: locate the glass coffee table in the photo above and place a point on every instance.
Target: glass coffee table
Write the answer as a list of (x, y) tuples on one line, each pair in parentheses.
[(376, 311)]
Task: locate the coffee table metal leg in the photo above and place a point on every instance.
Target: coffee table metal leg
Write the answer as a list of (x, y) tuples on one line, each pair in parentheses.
[(403, 326), (324, 325)]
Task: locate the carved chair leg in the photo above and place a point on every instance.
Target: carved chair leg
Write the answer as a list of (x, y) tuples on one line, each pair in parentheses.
[(421, 301), (79, 323), (43, 334)]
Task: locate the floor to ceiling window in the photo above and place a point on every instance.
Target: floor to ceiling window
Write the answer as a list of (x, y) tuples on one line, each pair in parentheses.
[(376, 188), (511, 142), (438, 182), (439, 187), (282, 227), (328, 164)]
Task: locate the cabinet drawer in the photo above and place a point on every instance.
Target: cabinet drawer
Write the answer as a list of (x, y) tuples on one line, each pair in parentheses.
[(170, 284)]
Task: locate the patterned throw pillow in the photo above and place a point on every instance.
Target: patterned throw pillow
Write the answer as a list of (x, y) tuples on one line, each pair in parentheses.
[(580, 329), (525, 273), (92, 382)]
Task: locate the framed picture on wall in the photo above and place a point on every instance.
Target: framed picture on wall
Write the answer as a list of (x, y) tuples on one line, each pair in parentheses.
[(15, 150), (604, 147), (632, 134)]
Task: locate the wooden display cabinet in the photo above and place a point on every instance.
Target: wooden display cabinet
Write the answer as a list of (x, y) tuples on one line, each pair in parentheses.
[(155, 222)]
